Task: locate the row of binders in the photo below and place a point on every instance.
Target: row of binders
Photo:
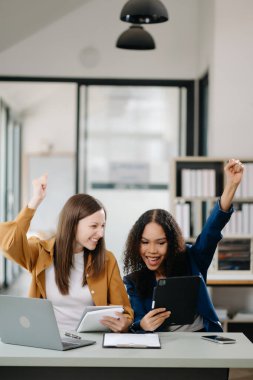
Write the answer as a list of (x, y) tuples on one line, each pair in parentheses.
[(198, 183), (241, 221), (202, 183)]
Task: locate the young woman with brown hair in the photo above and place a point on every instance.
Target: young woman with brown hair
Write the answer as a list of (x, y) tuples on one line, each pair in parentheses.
[(73, 269)]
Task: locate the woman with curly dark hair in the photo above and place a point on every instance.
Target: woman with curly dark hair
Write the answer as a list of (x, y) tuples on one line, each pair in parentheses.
[(155, 249)]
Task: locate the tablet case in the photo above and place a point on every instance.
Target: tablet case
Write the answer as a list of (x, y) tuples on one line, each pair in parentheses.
[(178, 295)]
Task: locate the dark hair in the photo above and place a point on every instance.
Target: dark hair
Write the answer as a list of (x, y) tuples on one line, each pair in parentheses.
[(79, 206), (175, 263)]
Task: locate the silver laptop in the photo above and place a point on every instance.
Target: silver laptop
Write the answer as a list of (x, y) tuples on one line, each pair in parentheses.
[(32, 322)]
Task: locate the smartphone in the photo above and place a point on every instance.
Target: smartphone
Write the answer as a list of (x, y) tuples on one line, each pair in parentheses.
[(218, 339)]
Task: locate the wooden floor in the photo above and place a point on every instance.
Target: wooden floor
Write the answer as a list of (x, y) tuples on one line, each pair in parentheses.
[(20, 288)]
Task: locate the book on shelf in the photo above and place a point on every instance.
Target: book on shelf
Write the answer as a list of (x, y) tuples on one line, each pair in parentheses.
[(246, 218), (247, 183), (234, 254)]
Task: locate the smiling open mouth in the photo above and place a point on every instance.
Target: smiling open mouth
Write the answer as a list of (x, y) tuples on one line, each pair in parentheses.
[(153, 260)]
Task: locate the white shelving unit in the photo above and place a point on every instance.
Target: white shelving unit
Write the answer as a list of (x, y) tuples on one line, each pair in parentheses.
[(197, 183)]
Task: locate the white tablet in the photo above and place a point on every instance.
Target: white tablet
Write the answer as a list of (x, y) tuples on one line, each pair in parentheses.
[(92, 315)]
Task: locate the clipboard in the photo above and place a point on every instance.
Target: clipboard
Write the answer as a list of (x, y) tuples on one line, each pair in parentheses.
[(178, 295), (114, 340)]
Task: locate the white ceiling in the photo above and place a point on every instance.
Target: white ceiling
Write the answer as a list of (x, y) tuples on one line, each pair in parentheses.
[(21, 18)]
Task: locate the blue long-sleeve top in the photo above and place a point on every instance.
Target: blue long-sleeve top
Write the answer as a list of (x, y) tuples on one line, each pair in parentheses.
[(199, 255)]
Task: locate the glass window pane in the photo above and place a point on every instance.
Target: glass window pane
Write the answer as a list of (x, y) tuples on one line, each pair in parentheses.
[(131, 134), (132, 125)]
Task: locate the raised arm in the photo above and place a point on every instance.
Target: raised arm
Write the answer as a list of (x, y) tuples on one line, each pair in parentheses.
[(203, 250), (13, 239), (39, 191), (234, 172)]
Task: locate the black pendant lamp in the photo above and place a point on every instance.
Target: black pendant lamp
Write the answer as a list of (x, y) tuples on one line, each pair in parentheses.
[(136, 38), (144, 12)]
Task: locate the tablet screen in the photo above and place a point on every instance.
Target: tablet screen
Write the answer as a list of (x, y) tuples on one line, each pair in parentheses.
[(178, 295)]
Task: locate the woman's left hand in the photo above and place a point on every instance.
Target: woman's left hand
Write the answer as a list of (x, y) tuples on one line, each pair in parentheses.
[(119, 324)]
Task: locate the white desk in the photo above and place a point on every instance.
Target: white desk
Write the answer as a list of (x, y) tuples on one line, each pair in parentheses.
[(183, 355)]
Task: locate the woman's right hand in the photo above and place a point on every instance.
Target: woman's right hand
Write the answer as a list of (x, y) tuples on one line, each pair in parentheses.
[(39, 191), (154, 319)]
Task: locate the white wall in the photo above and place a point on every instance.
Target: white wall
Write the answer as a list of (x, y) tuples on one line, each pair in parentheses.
[(205, 34), (231, 80), (231, 105), (225, 48)]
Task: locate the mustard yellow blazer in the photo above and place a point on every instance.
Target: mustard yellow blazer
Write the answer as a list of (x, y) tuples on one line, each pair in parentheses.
[(36, 256)]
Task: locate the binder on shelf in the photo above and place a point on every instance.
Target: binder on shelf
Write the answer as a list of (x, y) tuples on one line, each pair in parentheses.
[(206, 180), (186, 183), (251, 219), (246, 216), (183, 218), (212, 192)]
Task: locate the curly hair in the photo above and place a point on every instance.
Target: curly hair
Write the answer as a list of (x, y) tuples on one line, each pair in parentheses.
[(175, 263)]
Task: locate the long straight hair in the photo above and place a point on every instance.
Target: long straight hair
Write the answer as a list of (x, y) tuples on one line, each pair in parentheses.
[(78, 207)]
